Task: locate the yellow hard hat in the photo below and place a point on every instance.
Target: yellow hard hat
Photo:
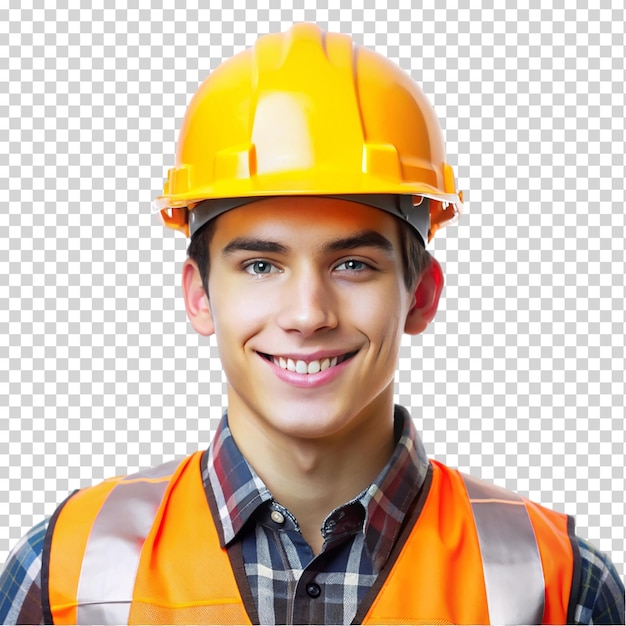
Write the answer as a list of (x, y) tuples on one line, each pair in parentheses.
[(309, 113)]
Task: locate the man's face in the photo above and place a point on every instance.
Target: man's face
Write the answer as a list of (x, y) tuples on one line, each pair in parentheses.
[(308, 304)]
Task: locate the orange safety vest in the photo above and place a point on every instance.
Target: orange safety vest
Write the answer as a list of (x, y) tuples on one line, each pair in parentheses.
[(145, 549)]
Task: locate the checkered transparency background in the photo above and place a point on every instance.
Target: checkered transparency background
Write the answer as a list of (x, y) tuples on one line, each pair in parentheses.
[(521, 377)]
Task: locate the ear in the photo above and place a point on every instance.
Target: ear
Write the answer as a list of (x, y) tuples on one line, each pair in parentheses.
[(426, 299), (196, 300)]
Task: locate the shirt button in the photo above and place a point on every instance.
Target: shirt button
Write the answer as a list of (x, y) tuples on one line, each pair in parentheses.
[(277, 517), (313, 590)]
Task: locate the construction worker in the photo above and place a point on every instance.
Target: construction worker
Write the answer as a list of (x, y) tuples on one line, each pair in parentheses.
[(310, 175)]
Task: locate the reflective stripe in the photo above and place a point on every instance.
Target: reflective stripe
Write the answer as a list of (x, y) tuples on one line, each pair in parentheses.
[(107, 578), (512, 567), (160, 471)]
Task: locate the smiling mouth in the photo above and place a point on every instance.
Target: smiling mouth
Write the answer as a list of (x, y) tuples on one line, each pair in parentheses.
[(307, 367)]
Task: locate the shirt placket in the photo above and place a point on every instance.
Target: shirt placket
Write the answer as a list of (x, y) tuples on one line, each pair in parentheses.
[(307, 597)]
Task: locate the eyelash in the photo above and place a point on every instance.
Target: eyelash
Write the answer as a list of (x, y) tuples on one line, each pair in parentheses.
[(248, 267), (362, 263)]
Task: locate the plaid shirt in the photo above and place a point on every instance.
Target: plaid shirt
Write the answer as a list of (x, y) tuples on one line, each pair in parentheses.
[(289, 583)]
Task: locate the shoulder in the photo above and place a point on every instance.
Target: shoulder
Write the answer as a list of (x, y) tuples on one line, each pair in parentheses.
[(601, 596), (598, 593), (20, 579)]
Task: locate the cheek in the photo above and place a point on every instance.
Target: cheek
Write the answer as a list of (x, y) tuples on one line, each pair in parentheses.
[(238, 312), (378, 313)]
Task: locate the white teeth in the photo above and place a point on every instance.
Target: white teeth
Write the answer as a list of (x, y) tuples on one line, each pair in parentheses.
[(302, 367), (314, 367)]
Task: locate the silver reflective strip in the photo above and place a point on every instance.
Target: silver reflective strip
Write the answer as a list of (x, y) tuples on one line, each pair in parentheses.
[(512, 568), (103, 613), (107, 578), (161, 471)]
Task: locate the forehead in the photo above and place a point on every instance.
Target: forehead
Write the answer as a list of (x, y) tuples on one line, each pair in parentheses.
[(286, 217)]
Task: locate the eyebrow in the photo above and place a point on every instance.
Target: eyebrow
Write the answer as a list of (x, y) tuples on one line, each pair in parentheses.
[(363, 239), (254, 244)]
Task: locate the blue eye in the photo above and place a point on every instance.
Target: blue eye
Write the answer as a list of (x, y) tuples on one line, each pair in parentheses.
[(259, 267), (352, 265)]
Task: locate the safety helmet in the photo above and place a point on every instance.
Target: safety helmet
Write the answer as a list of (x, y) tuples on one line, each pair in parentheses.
[(310, 113)]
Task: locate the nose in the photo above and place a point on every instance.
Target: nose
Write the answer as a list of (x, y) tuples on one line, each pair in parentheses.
[(309, 304)]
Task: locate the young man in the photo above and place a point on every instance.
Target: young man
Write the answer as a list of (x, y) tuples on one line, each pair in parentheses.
[(310, 174)]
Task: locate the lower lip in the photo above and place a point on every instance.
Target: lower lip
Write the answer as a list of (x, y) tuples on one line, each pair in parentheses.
[(308, 380)]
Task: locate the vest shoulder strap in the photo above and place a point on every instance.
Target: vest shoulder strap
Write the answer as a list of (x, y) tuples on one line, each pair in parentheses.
[(95, 544), (509, 554), (138, 550), (470, 539)]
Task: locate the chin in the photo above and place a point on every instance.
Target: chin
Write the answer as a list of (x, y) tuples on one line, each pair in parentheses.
[(311, 422)]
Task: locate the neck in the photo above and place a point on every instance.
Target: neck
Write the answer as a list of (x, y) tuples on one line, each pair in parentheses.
[(313, 476)]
